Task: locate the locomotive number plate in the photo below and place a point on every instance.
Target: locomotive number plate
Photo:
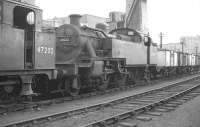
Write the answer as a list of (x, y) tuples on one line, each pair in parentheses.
[(45, 50), (65, 39)]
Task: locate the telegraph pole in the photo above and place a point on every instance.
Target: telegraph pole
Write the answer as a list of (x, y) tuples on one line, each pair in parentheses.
[(196, 60), (182, 45), (161, 39), (196, 50)]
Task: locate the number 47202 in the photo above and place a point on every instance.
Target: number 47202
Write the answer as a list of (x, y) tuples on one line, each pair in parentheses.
[(45, 50)]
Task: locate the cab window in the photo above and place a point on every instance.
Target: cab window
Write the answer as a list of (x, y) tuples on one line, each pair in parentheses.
[(23, 17)]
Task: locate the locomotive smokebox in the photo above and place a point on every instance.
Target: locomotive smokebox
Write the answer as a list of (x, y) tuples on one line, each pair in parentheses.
[(75, 19)]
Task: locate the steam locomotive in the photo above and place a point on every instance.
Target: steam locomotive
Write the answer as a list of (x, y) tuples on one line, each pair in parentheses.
[(71, 57), (89, 58), (27, 54)]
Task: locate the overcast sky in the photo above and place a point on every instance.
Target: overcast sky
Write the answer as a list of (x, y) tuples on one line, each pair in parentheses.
[(174, 18)]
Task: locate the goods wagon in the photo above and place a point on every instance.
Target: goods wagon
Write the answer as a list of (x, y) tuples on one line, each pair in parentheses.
[(167, 58), (172, 62)]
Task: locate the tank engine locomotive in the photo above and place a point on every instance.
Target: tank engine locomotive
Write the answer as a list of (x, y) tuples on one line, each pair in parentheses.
[(84, 58), (89, 58), (27, 54)]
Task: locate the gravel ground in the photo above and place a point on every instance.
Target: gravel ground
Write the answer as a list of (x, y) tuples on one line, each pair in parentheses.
[(79, 120), (186, 115)]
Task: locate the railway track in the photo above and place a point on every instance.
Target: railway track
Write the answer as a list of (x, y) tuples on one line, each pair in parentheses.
[(145, 110), (37, 104), (114, 111)]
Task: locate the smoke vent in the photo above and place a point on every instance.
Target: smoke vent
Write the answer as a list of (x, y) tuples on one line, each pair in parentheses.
[(75, 19)]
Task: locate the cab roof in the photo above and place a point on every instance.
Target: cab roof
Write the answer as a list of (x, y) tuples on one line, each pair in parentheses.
[(23, 4)]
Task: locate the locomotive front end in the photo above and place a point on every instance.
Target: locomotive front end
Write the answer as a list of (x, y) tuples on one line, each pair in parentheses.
[(68, 43), (83, 57)]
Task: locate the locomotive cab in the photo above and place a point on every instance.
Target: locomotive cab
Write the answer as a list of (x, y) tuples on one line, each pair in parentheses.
[(24, 18), (27, 53)]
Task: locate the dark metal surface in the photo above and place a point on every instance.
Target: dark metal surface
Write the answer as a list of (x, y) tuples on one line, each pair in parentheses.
[(12, 43)]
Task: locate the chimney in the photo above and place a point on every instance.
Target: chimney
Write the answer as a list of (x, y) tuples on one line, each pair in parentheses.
[(75, 19)]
